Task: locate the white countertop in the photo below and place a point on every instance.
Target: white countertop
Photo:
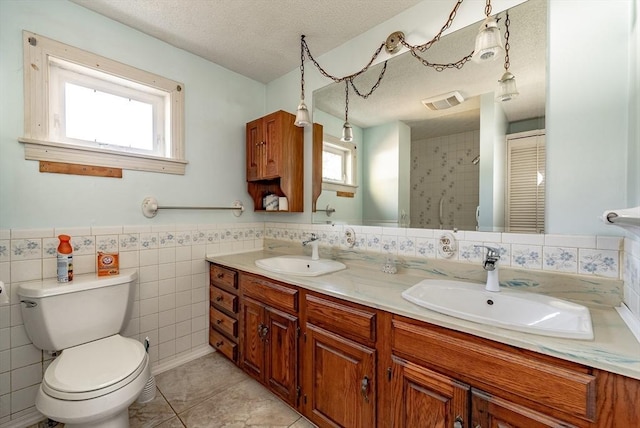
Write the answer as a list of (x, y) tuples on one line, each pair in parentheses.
[(614, 347)]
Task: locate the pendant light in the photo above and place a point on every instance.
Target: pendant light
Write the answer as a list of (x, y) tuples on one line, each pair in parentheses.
[(347, 130), (302, 115), (488, 41), (507, 84)]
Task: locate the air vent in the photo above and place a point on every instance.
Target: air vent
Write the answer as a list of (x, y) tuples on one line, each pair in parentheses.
[(443, 101)]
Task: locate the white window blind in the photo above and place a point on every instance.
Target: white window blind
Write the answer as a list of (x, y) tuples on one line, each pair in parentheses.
[(526, 179)]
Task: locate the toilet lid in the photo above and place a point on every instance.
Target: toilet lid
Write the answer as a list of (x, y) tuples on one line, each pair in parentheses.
[(95, 365)]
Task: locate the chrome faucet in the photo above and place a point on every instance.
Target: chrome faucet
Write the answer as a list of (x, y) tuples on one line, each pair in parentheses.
[(314, 240), (490, 264)]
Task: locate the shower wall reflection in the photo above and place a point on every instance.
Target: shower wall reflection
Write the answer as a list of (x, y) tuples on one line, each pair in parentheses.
[(444, 181)]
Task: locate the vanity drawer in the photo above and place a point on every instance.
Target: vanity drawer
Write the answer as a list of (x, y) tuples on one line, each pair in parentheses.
[(269, 292), (353, 322), (223, 299), (223, 277), (495, 368), (224, 323), (226, 346)]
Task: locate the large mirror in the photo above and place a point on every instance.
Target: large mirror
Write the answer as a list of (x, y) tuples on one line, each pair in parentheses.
[(444, 168)]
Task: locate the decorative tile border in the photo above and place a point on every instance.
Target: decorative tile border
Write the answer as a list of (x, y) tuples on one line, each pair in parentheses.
[(585, 255)]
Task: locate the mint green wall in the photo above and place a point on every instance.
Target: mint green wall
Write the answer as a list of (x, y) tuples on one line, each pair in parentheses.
[(634, 108), (493, 129), (587, 114), (218, 103)]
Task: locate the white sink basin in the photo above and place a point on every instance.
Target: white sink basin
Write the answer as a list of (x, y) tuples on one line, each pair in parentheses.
[(514, 310), (299, 265)]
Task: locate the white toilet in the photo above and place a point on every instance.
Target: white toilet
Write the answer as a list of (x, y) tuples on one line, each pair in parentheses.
[(99, 373)]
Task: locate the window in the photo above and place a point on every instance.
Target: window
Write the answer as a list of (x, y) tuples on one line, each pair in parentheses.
[(339, 165), (526, 182), (83, 108)]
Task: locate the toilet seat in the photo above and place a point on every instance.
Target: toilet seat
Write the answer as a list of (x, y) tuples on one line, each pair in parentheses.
[(94, 369)]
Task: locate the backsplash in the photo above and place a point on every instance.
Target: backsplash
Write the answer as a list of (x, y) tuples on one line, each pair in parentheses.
[(171, 303), (585, 255)]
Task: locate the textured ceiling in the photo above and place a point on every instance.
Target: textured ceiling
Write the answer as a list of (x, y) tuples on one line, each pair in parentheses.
[(256, 38)]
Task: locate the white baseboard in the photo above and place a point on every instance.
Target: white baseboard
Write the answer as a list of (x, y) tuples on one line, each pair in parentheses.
[(194, 354), (630, 320)]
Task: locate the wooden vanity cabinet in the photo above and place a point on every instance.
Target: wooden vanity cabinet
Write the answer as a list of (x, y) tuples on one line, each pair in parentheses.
[(504, 386), (342, 364), (339, 372), (223, 311), (275, 159), (269, 340), (424, 398)]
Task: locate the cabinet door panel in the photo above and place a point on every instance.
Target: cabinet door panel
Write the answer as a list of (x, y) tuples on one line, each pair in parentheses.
[(424, 398), (254, 141), (494, 412), (252, 343), (340, 382), (282, 348), (273, 146)]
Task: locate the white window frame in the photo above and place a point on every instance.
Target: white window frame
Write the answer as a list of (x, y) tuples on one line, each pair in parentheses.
[(350, 164), (41, 141)]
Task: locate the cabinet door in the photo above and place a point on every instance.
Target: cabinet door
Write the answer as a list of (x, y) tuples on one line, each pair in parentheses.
[(252, 338), (493, 412), (340, 381), (281, 359), (272, 148), (424, 398), (255, 142)]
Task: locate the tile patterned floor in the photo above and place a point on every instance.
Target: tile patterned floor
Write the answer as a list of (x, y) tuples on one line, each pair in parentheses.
[(211, 392)]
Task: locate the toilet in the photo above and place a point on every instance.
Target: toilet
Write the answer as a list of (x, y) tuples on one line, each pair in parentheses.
[(98, 373)]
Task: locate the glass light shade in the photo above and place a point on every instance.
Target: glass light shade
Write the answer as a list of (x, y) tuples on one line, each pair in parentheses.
[(488, 41), (507, 87), (347, 133), (302, 115)]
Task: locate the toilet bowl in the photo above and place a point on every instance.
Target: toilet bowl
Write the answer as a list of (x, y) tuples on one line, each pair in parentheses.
[(94, 384), (99, 373)]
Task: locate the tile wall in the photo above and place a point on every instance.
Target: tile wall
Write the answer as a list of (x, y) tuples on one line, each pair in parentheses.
[(171, 303), (442, 168), (172, 299), (631, 275)]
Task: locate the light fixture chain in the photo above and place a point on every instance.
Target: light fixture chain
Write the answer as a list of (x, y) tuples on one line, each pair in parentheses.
[(374, 87), (487, 8), (346, 100), (437, 37), (302, 68), (335, 78), (507, 22)]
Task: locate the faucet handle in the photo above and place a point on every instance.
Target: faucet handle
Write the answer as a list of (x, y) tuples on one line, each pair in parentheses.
[(492, 252)]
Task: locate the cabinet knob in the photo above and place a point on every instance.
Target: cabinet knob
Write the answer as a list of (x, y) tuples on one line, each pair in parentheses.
[(220, 275), (218, 321), (364, 388), (459, 422), (219, 344), (219, 298)]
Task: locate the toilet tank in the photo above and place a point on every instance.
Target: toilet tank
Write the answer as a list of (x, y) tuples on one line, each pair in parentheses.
[(57, 315)]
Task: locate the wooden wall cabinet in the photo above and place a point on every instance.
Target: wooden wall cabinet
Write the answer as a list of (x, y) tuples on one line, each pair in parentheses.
[(223, 310), (269, 340), (275, 159)]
